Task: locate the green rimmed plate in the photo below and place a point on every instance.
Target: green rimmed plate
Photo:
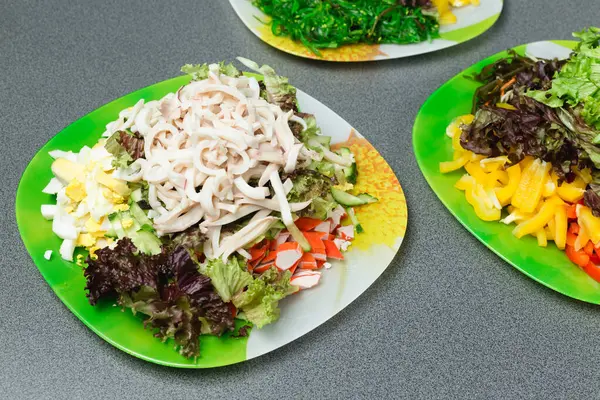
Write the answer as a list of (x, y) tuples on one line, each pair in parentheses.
[(370, 254), (549, 266)]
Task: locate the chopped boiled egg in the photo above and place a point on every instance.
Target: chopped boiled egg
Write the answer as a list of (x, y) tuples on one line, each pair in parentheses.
[(92, 226), (67, 170), (121, 207), (48, 254), (86, 194), (127, 223), (48, 211), (116, 185), (85, 240), (66, 249), (75, 190), (79, 260), (112, 196)]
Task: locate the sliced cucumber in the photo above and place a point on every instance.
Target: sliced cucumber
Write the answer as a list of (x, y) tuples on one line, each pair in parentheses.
[(346, 199), (110, 233), (139, 215), (351, 172), (352, 215), (136, 195), (344, 152), (367, 198), (115, 223), (146, 242)]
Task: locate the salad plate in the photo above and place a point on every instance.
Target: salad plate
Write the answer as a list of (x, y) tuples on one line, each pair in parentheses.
[(471, 21), (547, 265), (371, 252)]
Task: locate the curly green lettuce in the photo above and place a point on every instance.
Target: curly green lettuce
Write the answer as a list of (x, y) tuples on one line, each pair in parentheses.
[(256, 298), (259, 303), (199, 72), (312, 185), (578, 82), (278, 90), (228, 278)]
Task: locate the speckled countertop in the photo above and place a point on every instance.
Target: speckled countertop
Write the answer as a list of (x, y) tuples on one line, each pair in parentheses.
[(447, 319)]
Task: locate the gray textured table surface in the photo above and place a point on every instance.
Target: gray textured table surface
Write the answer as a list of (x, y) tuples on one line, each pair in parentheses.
[(447, 319)]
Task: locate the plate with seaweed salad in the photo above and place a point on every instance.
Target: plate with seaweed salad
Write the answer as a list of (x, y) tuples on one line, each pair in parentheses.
[(344, 31)]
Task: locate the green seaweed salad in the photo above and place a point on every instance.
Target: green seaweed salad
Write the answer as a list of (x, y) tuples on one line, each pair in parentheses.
[(321, 24)]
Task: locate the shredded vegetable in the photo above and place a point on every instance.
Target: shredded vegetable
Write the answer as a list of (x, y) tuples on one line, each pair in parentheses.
[(329, 24)]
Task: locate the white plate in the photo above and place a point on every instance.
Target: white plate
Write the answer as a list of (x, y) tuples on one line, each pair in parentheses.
[(472, 21), (370, 254)]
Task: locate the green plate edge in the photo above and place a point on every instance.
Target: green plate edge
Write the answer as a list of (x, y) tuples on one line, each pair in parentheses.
[(548, 266), (121, 329), (469, 32)]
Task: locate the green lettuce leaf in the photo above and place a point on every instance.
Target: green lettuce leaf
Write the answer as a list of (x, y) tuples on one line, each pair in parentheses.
[(311, 131), (229, 69), (309, 184), (122, 158), (199, 72), (591, 113), (277, 88), (578, 81), (259, 303), (321, 206), (228, 278)]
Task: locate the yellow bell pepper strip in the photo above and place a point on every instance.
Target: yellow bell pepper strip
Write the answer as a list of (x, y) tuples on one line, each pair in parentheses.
[(541, 237), (582, 239), (466, 119), (493, 163), (572, 192), (524, 163), (585, 174), (578, 182), (506, 106), (497, 178), (475, 170), (540, 220), (477, 197), (458, 154), (551, 228), (589, 223), (452, 129), (456, 141), (549, 233), (549, 188), (516, 216), (476, 157), (464, 182), (449, 166), (560, 226), (506, 193), (529, 192), (494, 199)]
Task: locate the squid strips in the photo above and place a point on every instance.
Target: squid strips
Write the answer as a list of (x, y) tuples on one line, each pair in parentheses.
[(210, 149)]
